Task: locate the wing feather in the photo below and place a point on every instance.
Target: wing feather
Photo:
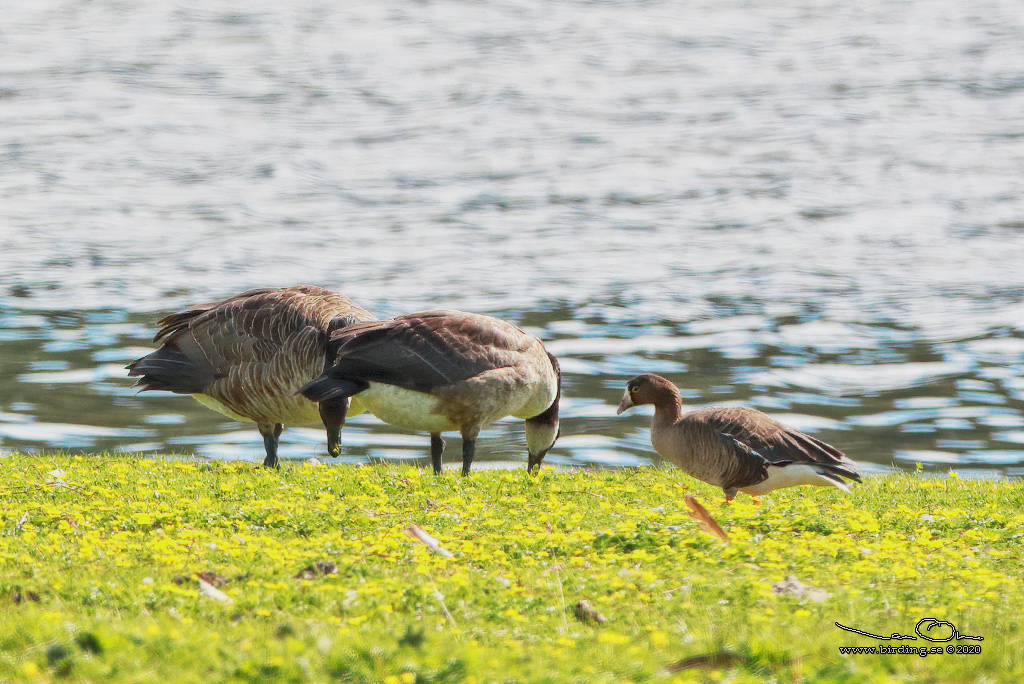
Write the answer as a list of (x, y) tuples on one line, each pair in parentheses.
[(745, 467), (758, 441), (426, 351), (770, 438), (250, 350)]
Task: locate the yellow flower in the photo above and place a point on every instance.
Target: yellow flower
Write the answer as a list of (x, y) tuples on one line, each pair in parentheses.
[(609, 637)]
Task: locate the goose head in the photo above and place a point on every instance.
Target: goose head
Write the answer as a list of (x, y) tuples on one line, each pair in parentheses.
[(541, 434), (542, 430), (647, 389)]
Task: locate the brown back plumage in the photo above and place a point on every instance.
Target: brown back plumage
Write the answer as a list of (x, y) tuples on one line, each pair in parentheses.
[(753, 440), (440, 371), (765, 435), (422, 351), (250, 352)]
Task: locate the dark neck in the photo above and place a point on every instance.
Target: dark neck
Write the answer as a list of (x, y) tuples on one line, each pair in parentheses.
[(550, 414), (668, 405), (549, 417)]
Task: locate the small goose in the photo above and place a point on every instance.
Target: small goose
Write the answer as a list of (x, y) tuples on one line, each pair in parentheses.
[(245, 356), (735, 448), (438, 371)]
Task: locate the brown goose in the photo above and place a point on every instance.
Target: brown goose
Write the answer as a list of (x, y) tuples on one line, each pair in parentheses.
[(735, 448), (245, 356), (438, 371)]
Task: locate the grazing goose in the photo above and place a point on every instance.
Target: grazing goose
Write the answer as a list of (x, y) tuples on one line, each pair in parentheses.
[(438, 371), (735, 448), (245, 356)]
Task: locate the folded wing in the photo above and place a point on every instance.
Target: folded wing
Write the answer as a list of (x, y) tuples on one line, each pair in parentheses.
[(420, 352)]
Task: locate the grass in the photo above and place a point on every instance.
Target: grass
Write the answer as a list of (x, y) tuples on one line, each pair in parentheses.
[(101, 557)]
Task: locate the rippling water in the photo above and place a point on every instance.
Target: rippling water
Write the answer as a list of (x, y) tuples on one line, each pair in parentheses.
[(816, 208)]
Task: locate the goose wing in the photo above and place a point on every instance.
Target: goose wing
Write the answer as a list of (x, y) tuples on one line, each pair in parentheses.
[(267, 313), (740, 465), (425, 351), (768, 437), (757, 440), (260, 341)]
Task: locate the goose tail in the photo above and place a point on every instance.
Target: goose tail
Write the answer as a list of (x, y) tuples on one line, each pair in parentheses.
[(790, 473), (171, 370), (329, 388), (837, 472)]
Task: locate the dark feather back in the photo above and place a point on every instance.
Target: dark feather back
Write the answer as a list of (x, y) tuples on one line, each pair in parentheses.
[(248, 350), (425, 351), (769, 438), (744, 466)]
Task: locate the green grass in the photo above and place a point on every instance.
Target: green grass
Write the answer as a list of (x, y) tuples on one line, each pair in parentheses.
[(99, 567)]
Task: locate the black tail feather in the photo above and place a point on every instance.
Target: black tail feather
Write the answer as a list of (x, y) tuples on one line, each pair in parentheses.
[(171, 370), (830, 461), (817, 449), (833, 471), (837, 472), (326, 388)]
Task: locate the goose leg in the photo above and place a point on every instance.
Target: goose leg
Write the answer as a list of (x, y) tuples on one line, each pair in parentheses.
[(468, 451), (436, 449), (271, 432), (332, 413)]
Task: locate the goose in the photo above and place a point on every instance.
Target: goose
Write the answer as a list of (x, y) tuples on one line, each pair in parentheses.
[(246, 355), (735, 448), (439, 371)]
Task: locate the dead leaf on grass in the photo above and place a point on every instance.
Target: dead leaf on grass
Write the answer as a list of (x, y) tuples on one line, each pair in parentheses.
[(722, 660), (207, 576), (419, 535), (704, 519), (213, 592)]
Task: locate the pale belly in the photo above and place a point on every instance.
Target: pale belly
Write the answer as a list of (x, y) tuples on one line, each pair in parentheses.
[(289, 411), (469, 405), (791, 476), (405, 408)]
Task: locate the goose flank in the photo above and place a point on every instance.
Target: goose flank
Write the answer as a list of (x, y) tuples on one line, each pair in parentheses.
[(440, 371), (245, 356), (735, 448)]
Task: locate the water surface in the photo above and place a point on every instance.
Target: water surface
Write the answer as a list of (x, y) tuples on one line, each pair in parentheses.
[(817, 208)]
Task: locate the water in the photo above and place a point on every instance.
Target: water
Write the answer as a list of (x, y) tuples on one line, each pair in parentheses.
[(816, 208)]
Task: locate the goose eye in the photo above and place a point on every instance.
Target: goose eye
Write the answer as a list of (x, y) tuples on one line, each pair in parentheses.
[(633, 389)]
